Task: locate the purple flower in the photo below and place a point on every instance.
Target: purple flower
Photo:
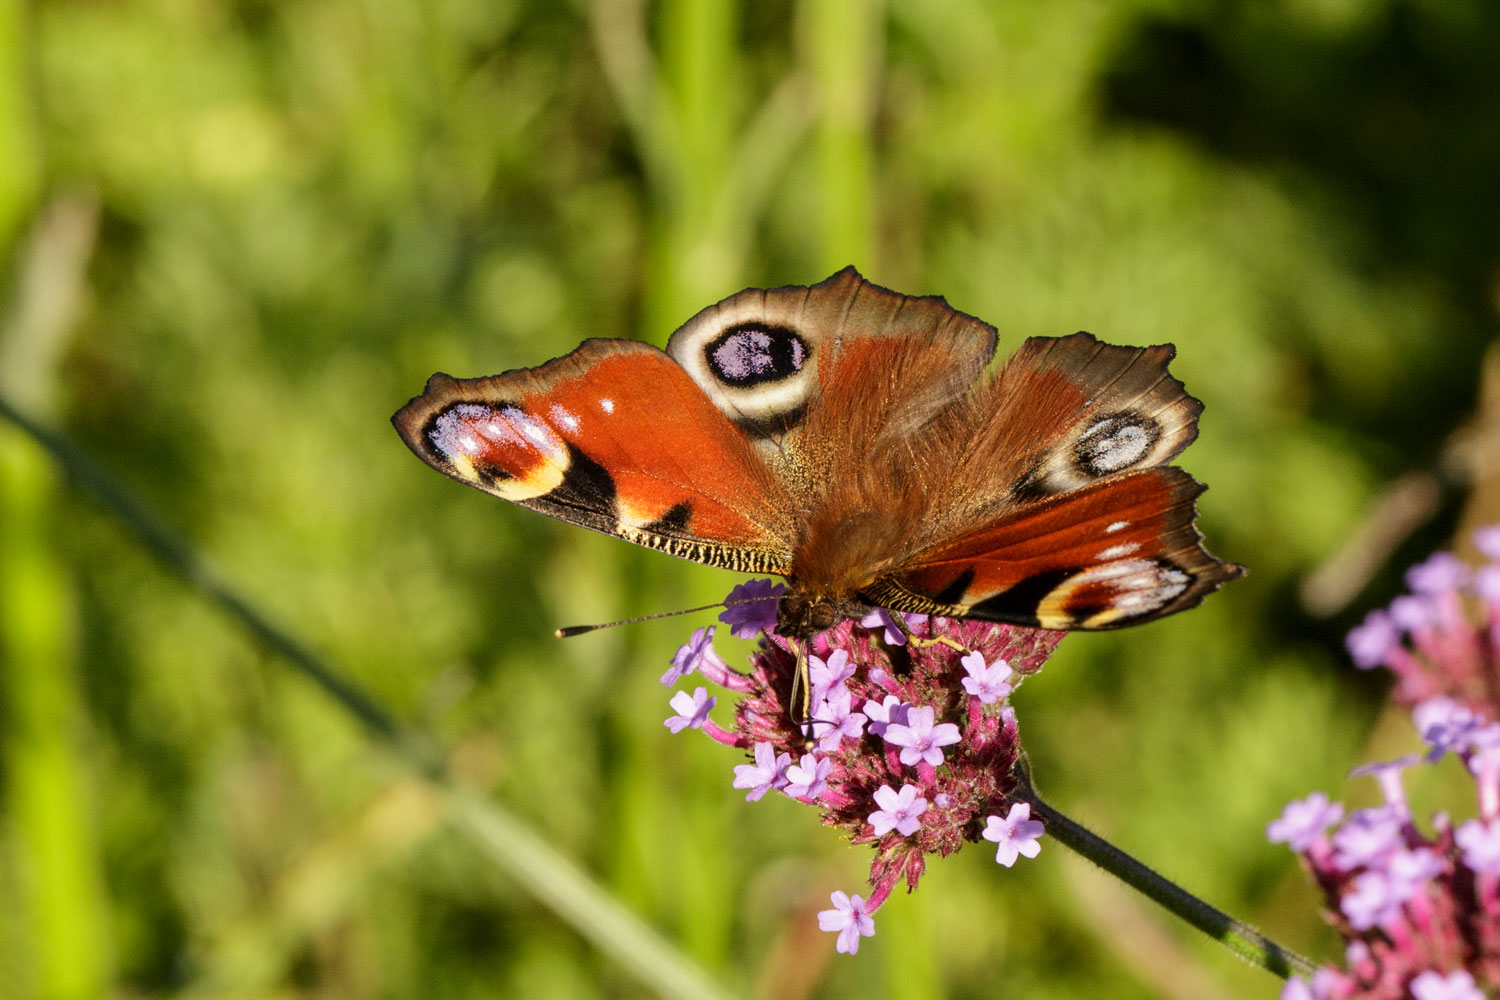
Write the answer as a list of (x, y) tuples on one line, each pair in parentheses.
[(768, 772), (1388, 773), (895, 635), (1412, 612), (1016, 834), (752, 608), (987, 683), (1370, 642), (922, 742), (891, 711), (1296, 988), (1439, 572), (898, 810), (828, 674), (880, 618), (1410, 871), (1487, 583), (693, 654), (808, 779), (1431, 985), (1446, 724), (1487, 540), (849, 919), (1302, 822), (1480, 842), (1372, 903), (692, 710), (833, 716), (1370, 836)]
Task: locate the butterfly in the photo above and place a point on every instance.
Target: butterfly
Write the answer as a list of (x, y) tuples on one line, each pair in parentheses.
[(851, 440)]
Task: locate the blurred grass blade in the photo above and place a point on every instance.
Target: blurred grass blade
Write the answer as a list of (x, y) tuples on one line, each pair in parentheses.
[(510, 844), (574, 897), (62, 910)]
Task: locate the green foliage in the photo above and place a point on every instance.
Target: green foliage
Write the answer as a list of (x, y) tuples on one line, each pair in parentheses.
[(302, 210)]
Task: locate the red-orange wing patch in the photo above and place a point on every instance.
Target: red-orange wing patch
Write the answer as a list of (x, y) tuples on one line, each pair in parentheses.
[(1114, 553), (615, 437)]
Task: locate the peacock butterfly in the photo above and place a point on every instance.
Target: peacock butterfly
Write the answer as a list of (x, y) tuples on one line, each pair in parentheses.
[(847, 438)]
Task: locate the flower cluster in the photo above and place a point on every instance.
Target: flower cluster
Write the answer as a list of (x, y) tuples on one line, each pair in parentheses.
[(1426, 637), (1419, 912), (909, 746)]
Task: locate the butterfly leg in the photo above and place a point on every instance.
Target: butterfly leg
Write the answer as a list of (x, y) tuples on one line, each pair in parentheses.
[(925, 642), (801, 695)]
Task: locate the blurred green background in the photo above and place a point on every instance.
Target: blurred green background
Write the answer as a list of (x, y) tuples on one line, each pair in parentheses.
[(237, 235)]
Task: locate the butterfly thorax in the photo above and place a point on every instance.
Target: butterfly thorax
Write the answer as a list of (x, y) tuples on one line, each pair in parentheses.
[(841, 554)]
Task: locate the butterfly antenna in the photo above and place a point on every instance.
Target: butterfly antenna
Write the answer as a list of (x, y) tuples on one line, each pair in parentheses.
[(572, 630)]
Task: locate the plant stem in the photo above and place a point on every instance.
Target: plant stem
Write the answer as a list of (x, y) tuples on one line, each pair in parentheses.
[(1237, 936)]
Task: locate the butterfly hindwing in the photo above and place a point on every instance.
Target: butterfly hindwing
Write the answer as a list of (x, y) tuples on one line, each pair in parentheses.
[(613, 437), (1106, 555)]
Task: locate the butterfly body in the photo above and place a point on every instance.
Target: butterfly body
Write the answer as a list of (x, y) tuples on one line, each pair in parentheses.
[(849, 439)]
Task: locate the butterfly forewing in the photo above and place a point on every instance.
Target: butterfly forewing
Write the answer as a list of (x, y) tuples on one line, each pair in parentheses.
[(613, 437)]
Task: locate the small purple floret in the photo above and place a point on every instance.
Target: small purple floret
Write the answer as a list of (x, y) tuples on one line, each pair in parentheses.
[(898, 811), (1432, 985), (693, 654), (1413, 612), (891, 711), (1017, 834), (1369, 837), (1388, 773), (1480, 843), (1372, 903), (1439, 572), (1370, 642), (1411, 871), (809, 779), (692, 710), (1446, 724), (849, 919), (826, 675), (835, 721), (767, 773), (987, 683), (1302, 822), (920, 740), (757, 613)]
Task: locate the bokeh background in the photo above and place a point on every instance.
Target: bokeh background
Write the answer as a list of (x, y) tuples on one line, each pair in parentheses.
[(237, 235)]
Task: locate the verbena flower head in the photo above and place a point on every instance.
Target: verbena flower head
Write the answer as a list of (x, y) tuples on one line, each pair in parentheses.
[(1417, 905), (1443, 638), (910, 747)]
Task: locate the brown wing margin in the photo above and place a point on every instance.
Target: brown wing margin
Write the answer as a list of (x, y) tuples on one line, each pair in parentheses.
[(1115, 553), (614, 437)]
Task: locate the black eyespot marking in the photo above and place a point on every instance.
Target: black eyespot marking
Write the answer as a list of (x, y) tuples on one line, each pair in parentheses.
[(1115, 442), (674, 521), (1019, 604), (752, 354), (586, 486), (954, 592)]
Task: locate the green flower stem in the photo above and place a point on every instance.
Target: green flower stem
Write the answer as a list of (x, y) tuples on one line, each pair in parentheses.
[(1238, 937)]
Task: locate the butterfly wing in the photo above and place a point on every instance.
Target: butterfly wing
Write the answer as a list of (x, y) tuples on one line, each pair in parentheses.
[(1110, 554), (615, 437), (819, 377)]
